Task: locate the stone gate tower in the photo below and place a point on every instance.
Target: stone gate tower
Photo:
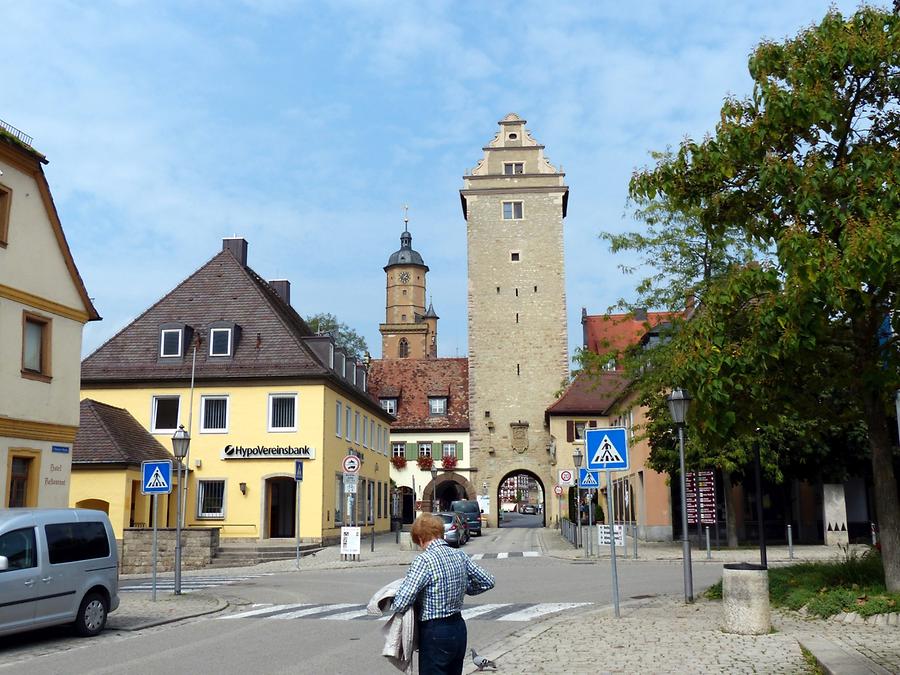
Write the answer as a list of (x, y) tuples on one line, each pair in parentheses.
[(514, 202)]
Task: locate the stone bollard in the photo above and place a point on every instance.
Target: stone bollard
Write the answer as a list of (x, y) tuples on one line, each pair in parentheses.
[(406, 542), (745, 599)]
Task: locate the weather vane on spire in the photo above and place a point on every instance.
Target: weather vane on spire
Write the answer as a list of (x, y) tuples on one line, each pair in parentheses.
[(405, 217)]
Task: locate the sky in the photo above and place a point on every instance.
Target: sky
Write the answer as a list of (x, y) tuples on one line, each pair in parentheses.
[(305, 127)]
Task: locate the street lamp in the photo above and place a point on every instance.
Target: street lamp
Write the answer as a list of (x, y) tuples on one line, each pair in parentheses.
[(181, 441), (434, 501), (577, 456), (679, 401)]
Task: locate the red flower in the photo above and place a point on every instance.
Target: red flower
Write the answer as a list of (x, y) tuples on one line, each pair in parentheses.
[(398, 462), (425, 463), (448, 462)]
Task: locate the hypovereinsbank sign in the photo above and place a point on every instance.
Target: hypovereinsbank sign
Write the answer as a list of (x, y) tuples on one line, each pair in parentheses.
[(268, 452)]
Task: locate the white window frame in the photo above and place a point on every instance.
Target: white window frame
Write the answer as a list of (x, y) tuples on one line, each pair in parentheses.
[(389, 405), (347, 426), (398, 449), (431, 408), (425, 449), (212, 332), (162, 342), (284, 394), (157, 430), (513, 165), (356, 426), (200, 489), (339, 413), (512, 209), (447, 445), (217, 397), (365, 434)]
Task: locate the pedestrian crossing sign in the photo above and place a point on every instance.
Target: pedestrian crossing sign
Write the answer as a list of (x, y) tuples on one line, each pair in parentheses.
[(589, 479), (156, 477), (607, 449)]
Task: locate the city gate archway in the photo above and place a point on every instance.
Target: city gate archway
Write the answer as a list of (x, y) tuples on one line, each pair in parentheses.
[(517, 492)]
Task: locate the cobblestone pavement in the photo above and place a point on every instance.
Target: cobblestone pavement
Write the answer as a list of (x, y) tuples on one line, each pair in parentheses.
[(659, 636)]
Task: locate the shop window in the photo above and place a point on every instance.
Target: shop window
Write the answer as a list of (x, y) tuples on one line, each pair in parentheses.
[(211, 499), (165, 414), (282, 412), (214, 414), (35, 347)]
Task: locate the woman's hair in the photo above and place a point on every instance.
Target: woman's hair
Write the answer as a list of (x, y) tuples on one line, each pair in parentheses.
[(426, 528)]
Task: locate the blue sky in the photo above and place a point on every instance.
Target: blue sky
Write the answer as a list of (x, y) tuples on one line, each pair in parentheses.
[(304, 127)]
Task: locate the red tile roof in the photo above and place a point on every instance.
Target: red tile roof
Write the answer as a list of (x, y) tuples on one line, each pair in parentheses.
[(605, 333), (590, 395), (412, 381), (110, 435)]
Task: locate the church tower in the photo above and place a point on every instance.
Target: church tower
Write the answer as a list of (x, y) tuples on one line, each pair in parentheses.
[(409, 330), (514, 202)]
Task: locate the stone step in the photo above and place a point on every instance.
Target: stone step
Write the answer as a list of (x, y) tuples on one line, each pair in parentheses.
[(244, 560)]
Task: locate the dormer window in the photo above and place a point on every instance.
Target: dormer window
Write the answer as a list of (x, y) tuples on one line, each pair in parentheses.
[(220, 342), (171, 341), (389, 405), (437, 405)]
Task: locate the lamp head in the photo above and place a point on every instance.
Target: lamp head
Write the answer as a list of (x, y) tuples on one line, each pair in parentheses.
[(181, 441), (678, 401), (577, 456)]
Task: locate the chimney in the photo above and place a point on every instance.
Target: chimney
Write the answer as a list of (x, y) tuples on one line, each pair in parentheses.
[(640, 314), (238, 248), (283, 288)]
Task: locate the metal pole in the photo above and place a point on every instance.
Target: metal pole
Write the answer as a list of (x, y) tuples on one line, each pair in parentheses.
[(591, 520), (685, 542), (578, 514), (612, 544), (790, 543), (708, 551), (178, 508), (759, 510), (373, 538), (155, 550), (297, 483)]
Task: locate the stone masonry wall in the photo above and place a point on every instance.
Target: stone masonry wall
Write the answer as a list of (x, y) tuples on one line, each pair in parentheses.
[(199, 546)]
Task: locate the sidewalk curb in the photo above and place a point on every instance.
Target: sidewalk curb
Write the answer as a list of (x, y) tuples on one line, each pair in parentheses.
[(221, 604), (838, 659)]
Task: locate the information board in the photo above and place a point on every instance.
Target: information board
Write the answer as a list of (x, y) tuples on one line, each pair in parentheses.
[(707, 480), (350, 541)]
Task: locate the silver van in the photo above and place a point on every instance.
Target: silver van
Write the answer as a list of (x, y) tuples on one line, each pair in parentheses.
[(57, 566)]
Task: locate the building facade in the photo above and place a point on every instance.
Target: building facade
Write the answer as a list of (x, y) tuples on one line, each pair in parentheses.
[(266, 393), (43, 309), (514, 202)]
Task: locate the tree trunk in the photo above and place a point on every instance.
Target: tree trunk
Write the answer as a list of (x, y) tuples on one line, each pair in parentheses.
[(730, 518), (887, 507)]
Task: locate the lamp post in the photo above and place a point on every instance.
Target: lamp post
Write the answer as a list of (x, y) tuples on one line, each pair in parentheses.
[(434, 501), (577, 456), (679, 401), (181, 441)]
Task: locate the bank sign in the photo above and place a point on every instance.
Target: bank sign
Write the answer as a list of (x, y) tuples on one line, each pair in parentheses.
[(268, 452)]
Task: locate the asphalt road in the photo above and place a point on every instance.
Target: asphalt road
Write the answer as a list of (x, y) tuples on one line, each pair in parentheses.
[(319, 645)]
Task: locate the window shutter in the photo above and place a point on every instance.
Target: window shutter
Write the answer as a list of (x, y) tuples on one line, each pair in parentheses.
[(459, 451), (411, 451), (592, 424), (570, 431)]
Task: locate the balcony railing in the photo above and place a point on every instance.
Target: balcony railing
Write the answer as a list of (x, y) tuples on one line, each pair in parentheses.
[(16, 133)]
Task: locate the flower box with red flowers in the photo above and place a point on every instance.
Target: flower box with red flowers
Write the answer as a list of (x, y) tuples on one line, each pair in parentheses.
[(448, 462), (398, 462), (425, 463)]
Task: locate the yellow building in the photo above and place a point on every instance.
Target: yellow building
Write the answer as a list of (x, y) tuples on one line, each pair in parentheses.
[(43, 309), (266, 393)]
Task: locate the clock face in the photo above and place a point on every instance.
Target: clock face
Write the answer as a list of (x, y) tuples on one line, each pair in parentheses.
[(404, 277)]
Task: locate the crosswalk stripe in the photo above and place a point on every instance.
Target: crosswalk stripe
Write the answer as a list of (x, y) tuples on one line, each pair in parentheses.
[(541, 609), (478, 610), (346, 616), (320, 609), (502, 556), (478, 556), (531, 554), (265, 610)]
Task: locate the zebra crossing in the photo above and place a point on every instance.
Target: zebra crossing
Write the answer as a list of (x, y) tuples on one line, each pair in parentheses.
[(188, 584), (508, 554), (348, 611)]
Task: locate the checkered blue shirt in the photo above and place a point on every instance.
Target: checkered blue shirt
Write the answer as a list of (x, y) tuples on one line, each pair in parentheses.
[(443, 576)]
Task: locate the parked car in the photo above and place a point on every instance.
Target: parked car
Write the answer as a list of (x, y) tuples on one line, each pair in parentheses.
[(57, 566), (529, 509), (471, 511), (455, 532)]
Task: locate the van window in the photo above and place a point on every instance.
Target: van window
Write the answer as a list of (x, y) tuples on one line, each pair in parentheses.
[(465, 506), (19, 548), (70, 542)]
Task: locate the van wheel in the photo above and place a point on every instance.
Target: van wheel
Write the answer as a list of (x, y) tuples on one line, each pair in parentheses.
[(91, 617)]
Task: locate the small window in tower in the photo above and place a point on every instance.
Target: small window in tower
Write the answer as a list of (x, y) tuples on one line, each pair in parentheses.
[(513, 136), (513, 168), (514, 256), (403, 348), (512, 210), (403, 317), (518, 369), (517, 317), (404, 291), (498, 290), (535, 289)]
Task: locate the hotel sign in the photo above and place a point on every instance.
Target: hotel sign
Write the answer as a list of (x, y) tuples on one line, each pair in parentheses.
[(268, 452)]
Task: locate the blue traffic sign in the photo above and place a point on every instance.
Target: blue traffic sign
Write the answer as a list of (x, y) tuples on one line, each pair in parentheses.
[(607, 449), (298, 470), (588, 479), (156, 477)]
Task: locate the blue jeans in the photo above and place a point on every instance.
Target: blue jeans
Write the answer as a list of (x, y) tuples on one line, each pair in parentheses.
[(442, 646)]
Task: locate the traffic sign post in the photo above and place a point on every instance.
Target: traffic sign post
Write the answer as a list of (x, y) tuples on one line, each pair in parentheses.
[(298, 479), (612, 542), (350, 464), (607, 449), (567, 477), (156, 479)]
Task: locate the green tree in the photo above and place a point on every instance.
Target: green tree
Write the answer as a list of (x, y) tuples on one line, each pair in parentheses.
[(808, 166), (344, 337)]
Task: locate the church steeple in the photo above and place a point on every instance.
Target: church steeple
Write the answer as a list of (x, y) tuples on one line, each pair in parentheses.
[(409, 331)]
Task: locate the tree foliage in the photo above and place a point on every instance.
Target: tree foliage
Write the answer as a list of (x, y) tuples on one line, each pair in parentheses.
[(801, 345), (345, 337)]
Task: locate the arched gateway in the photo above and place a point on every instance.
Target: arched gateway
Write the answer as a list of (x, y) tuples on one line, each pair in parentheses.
[(447, 488), (519, 489)]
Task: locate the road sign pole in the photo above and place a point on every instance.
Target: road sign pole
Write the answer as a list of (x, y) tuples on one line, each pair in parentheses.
[(612, 543), (178, 508), (298, 524), (589, 549), (155, 550)]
